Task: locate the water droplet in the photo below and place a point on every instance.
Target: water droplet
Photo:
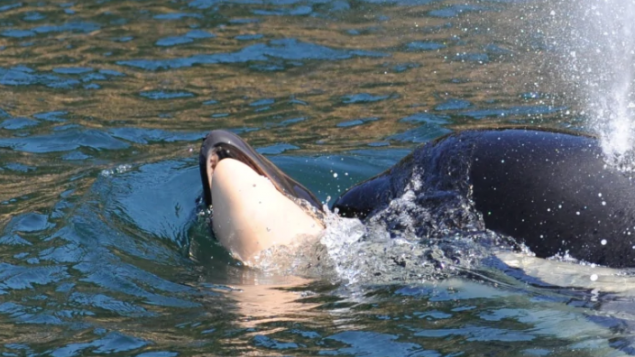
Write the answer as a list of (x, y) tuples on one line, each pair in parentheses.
[(603, 241), (335, 175), (594, 277)]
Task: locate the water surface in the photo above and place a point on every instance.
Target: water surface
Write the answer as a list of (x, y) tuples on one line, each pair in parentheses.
[(102, 108)]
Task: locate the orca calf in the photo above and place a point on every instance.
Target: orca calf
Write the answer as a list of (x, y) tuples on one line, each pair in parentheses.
[(550, 190), (255, 206)]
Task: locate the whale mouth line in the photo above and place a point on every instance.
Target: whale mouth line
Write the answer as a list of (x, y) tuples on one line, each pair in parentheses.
[(224, 151), (220, 144)]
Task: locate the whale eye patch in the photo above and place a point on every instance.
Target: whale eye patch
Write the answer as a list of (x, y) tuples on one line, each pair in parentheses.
[(216, 155), (224, 151), (221, 152)]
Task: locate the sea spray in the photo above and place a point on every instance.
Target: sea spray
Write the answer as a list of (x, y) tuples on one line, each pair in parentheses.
[(598, 43)]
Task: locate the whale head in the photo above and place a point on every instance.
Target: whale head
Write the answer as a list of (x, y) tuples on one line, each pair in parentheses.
[(255, 205)]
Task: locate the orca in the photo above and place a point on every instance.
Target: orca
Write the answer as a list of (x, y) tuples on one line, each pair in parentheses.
[(255, 205), (549, 190)]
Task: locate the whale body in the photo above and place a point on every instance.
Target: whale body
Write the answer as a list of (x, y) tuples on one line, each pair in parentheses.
[(550, 190), (255, 206)]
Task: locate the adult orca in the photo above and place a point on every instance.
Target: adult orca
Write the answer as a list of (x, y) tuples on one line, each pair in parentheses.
[(550, 190), (254, 204)]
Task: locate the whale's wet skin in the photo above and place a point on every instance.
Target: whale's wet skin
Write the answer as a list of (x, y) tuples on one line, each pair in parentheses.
[(552, 191), (257, 205), (105, 246)]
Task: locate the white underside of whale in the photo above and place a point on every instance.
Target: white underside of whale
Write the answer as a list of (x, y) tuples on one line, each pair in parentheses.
[(570, 274), (250, 215)]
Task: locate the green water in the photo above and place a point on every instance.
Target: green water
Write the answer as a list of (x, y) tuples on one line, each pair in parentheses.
[(102, 108)]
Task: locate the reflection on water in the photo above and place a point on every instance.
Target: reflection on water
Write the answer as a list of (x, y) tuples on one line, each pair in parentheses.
[(102, 108), (269, 303)]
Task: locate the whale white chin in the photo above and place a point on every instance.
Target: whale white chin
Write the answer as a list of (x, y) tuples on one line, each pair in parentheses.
[(251, 215)]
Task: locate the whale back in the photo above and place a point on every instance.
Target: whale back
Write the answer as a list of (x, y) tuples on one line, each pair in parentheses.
[(555, 193), (550, 190)]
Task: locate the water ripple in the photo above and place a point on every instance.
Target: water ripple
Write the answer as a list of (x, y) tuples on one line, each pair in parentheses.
[(25, 76), (109, 304), (113, 342), (18, 123), (10, 6), (78, 26), (276, 149), (528, 111), (14, 277), (364, 343), (64, 141), (285, 49)]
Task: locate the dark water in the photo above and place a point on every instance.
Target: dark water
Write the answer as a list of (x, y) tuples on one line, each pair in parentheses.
[(102, 108)]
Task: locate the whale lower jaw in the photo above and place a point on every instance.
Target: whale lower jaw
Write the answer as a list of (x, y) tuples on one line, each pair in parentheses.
[(251, 215)]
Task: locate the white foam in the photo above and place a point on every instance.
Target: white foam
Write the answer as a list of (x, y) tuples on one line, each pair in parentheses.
[(120, 169), (561, 272), (339, 238), (602, 35)]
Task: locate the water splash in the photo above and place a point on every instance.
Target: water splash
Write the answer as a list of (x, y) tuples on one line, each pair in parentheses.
[(341, 239), (601, 61)]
